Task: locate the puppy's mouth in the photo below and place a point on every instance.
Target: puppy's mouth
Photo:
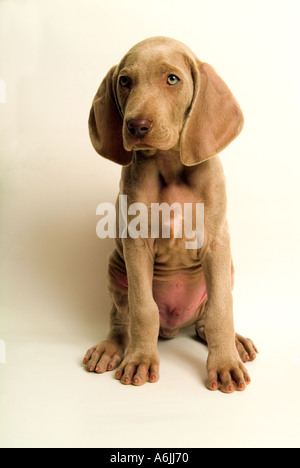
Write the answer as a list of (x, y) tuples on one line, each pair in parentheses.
[(138, 143), (147, 142), (141, 145)]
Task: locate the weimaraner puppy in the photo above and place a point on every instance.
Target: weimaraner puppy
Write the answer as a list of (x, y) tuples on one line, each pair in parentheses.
[(164, 115)]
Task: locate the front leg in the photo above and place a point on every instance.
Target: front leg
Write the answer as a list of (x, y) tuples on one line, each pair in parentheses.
[(141, 363), (224, 366)]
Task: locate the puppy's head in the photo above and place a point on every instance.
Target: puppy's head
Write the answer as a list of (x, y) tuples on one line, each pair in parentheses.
[(154, 90), (162, 97)]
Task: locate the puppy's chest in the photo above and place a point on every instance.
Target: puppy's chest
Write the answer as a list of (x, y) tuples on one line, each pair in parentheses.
[(176, 193), (177, 206)]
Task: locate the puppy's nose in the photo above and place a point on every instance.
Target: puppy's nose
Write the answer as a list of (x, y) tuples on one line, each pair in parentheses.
[(138, 127)]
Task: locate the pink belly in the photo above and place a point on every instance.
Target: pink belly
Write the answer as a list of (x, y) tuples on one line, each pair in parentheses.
[(178, 298)]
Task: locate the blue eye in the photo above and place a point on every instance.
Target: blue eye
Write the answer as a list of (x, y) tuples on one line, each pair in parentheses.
[(173, 80), (124, 81)]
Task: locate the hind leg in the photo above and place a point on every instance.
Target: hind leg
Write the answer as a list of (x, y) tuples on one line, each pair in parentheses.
[(246, 348)]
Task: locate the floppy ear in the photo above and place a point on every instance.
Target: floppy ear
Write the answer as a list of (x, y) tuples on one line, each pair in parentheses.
[(105, 123), (215, 118)]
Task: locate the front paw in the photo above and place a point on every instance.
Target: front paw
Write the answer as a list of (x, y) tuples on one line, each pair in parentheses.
[(138, 368), (227, 374)]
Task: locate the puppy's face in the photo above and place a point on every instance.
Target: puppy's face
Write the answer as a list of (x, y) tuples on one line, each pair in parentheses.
[(154, 90)]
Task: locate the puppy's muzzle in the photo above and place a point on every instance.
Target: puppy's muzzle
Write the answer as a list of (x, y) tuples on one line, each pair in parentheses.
[(138, 127)]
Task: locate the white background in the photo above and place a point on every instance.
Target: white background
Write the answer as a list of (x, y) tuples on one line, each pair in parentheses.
[(54, 303)]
